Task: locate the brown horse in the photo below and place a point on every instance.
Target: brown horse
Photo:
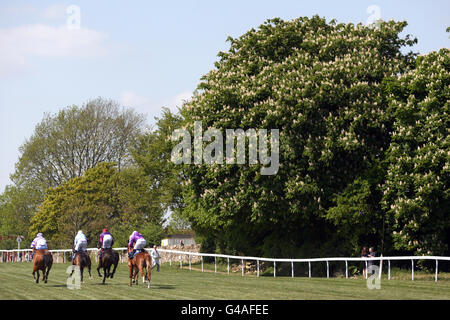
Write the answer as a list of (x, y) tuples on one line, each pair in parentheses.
[(109, 258), (82, 260), (138, 263), (42, 260)]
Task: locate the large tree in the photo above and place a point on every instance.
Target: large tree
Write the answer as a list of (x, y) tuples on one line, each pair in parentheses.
[(319, 83), (416, 193), (64, 145), (151, 152)]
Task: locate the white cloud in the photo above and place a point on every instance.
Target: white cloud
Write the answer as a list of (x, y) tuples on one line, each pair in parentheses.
[(131, 100), (149, 106), (179, 100), (19, 44), (54, 12)]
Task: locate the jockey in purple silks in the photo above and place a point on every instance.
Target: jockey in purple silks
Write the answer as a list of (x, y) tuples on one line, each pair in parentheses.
[(137, 242), (38, 243), (106, 241)]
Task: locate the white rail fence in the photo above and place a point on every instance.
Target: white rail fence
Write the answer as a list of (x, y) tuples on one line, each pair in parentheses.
[(14, 256)]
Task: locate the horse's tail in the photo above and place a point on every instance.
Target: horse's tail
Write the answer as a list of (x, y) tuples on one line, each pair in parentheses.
[(48, 260), (148, 262)]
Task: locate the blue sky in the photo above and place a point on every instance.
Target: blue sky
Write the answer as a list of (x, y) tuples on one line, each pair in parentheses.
[(146, 54)]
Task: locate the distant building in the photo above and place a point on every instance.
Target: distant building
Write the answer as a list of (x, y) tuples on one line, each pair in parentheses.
[(178, 239)]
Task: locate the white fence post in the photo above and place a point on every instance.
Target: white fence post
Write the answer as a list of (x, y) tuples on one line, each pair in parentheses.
[(328, 270), (412, 269), (228, 265), (257, 268), (436, 276), (389, 269), (292, 268), (202, 263), (242, 261), (309, 265), (215, 264), (274, 269), (346, 269), (190, 268)]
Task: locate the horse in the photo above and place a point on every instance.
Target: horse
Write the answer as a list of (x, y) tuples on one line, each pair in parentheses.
[(42, 260), (138, 263), (82, 260), (109, 258)]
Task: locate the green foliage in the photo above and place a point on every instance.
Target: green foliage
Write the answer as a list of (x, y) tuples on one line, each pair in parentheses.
[(17, 205), (416, 191), (103, 197), (64, 145), (320, 84), (152, 152)]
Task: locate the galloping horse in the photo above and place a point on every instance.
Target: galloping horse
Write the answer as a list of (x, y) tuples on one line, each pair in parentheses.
[(42, 260), (138, 263), (109, 258), (82, 260)]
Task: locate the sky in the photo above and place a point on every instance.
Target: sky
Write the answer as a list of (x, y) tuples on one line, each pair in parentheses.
[(147, 54)]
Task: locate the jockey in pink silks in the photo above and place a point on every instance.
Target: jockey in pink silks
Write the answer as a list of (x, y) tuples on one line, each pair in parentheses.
[(106, 241), (137, 242)]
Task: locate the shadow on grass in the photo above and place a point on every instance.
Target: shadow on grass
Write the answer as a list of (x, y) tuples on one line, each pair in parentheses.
[(58, 286)]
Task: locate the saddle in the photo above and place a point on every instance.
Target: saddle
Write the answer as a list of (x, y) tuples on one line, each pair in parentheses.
[(133, 253)]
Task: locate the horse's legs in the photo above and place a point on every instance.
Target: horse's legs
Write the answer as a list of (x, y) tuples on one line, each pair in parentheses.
[(89, 268), (130, 271), (98, 270), (142, 273), (149, 275), (81, 273), (47, 272), (104, 275), (135, 274), (114, 271), (37, 278)]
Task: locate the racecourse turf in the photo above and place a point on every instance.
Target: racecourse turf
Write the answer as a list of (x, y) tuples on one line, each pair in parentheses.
[(173, 283)]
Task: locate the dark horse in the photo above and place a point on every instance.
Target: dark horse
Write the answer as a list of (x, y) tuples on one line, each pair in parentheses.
[(139, 262), (42, 260), (109, 258), (82, 260)]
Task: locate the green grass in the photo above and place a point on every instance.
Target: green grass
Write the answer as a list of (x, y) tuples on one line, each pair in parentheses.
[(175, 283)]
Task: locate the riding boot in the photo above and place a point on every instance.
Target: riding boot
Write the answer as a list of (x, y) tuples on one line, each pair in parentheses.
[(74, 253), (131, 254)]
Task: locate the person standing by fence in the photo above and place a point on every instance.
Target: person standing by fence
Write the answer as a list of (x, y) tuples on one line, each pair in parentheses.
[(371, 254), (155, 258), (364, 254)]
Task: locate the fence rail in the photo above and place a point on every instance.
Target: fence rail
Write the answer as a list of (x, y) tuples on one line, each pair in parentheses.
[(17, 258)]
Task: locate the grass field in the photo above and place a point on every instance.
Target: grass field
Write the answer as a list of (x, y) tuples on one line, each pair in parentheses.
[(173, 283)]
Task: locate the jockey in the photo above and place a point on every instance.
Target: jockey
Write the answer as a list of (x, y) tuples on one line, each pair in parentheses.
[(155, 258), (106, 241), (38, 243), (80, 243), (137, 242)]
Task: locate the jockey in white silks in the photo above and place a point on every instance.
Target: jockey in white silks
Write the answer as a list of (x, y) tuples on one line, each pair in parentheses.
[(155, 258), (80, 243), (38, 243)]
